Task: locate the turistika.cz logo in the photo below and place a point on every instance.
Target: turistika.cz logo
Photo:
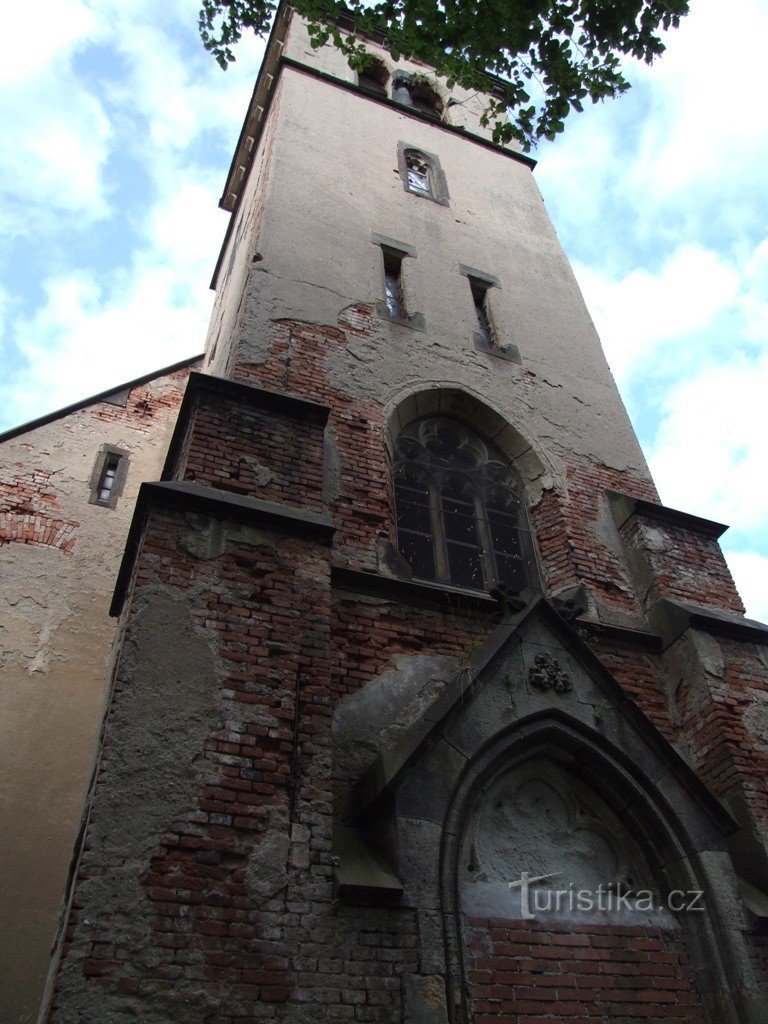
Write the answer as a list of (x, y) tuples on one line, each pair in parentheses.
[(606, 899)]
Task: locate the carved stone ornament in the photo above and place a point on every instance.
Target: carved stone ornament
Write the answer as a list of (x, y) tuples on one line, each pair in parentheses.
[(546, 674)]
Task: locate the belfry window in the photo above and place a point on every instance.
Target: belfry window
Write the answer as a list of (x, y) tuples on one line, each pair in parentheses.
[(460, 513), (418, 174), (417, 92), (374, 76)]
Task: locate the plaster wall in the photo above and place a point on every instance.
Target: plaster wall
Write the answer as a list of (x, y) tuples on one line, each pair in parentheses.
[(462, 106), (239, 251), (55, 637), (327, 191)]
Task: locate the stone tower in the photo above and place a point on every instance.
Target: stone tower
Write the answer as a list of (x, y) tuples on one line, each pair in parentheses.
[(423, 707)]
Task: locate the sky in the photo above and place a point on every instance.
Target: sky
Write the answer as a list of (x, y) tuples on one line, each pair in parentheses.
[(118, 132)]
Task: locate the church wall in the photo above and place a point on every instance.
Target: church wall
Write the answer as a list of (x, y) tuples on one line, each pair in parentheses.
[(59, 557), (319, 258), (219, 902), (296, 726), (467, 107), (239, 257)]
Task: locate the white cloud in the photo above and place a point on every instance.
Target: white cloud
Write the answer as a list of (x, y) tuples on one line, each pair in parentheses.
[(94, 333), (52, 160), (97, 327), (709, 452), (59, 27), (638, 313), (704, 122), (171, 83), (750, 571), (709, 386)]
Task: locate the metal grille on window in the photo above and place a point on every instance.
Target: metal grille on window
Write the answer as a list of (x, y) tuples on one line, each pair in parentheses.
[(107, 481), (418, 174), (460, 516)]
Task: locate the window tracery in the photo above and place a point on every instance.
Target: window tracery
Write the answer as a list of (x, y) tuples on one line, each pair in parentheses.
[(460, 512)]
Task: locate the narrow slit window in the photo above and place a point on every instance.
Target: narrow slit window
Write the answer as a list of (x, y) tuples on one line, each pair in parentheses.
[(480, 299), (393, 284), (107, 481)]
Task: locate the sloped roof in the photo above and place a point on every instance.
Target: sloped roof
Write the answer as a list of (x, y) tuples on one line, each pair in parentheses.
[(100, 397)]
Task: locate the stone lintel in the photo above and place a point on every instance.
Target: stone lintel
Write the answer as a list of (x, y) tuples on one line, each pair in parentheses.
[(360, 875), (413, 592), (670, 619), (606, 632)]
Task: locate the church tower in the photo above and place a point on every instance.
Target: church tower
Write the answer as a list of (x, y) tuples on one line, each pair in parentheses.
[(423, 707)]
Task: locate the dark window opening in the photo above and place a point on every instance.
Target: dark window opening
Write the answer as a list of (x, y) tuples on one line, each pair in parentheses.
[(415, 91), (425, 99), (484, 323), (393, 284), (460, 513), (374, 77)]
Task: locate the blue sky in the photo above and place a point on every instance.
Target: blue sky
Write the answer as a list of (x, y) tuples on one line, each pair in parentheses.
[(118, 131)]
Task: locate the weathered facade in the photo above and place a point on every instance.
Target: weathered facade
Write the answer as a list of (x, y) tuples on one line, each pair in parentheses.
[(60, 549), (406, 639)]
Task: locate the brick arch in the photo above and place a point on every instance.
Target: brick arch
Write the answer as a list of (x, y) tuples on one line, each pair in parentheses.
[(671, 838), (532, 465)]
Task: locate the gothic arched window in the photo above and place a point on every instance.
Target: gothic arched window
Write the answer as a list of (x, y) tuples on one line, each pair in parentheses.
[(460, 512)]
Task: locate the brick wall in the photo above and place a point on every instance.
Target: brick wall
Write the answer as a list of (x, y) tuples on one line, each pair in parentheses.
[(28, 506), (268, 455), (685, 565), (532, 972), (713, 727), (567, 527), (223, 928), (642, 677), (33, 509), (145, 405)]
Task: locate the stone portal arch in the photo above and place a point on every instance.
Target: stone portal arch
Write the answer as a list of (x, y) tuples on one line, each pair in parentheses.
[(606, 819)]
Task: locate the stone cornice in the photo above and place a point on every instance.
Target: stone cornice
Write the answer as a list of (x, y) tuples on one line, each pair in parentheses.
[(624, 507)]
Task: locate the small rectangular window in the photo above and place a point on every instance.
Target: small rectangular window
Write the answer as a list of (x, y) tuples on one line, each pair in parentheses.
[(393, 283), (484, 322), (108, 476), (107, 482)]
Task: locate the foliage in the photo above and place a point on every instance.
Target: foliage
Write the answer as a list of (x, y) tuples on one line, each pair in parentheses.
[(546, 56)]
